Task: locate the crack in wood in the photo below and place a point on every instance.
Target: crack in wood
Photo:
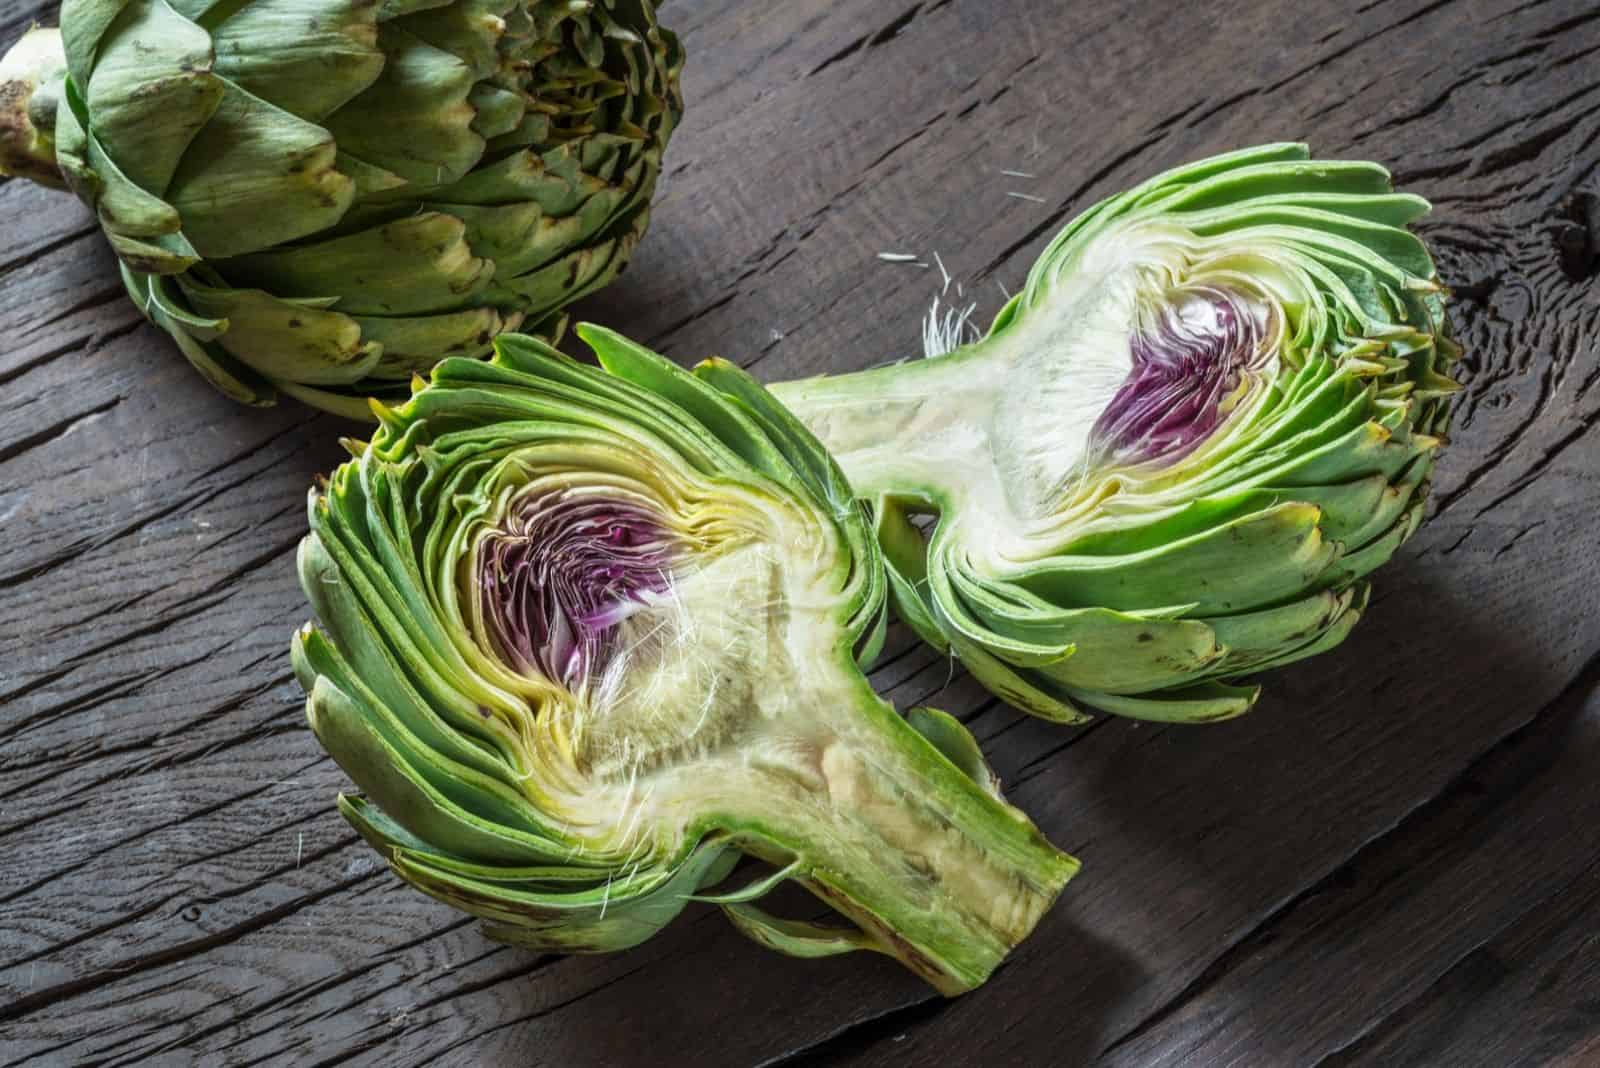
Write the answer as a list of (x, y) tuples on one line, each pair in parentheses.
[(190, 498), (137, 965), (1549, 455), (1039, 763), (870, 40), (853, 1039), (59, 429), (33, 255)]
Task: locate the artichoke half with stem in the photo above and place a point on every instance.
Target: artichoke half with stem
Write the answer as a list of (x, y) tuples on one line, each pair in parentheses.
[(320, 197), (588, 637), (1174, 458)]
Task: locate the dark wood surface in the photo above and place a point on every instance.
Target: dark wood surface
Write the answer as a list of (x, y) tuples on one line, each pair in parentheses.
[(1391, 861)]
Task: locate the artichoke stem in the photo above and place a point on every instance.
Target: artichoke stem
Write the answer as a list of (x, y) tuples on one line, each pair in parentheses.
[(909, 423), (936, 870), (31, 76)]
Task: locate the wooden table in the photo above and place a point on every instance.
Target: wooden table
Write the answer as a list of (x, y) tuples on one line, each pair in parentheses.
[(1390, 862)]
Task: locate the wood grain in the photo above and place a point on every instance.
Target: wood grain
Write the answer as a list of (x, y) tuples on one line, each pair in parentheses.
[(1391, 861)]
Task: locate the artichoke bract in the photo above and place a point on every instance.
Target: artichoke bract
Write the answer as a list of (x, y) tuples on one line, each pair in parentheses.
[(589, 637), (1211, 412), (320, 197)]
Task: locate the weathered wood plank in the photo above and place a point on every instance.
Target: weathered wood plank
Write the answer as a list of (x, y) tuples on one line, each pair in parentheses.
[(180, 888)]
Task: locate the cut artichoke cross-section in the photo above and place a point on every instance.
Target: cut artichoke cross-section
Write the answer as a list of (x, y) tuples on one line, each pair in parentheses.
[(1211, 412), (588, 637)]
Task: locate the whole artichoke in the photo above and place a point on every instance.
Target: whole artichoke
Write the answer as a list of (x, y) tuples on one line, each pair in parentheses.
[(591, 637), (320, 197), (1213, 409)]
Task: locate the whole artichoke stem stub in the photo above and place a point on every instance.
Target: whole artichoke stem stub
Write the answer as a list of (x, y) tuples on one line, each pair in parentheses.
[(1212, 411), (590, 636), (319, 199), (27, 116)]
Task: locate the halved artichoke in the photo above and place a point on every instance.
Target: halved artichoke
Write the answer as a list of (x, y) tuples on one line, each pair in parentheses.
[(320, 197), (591, 636), (1212, 410)]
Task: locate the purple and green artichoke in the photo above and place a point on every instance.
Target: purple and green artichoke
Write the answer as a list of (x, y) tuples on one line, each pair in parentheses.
[(589, 637), (1176, 456)]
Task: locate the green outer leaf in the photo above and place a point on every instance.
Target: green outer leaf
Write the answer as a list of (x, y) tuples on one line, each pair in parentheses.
[(196, 339), (412, 344), (755, 890), (419, 265), (256, 177), (309, 57), (796, 938), (150, 90), (406, 793), (283, 340), (425, 91), (947, 735)]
